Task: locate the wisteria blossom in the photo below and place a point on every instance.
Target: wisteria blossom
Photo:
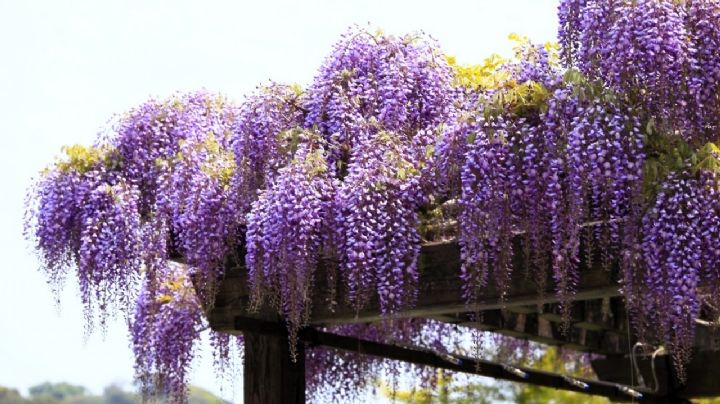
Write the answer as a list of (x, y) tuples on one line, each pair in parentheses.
[(604, 146)]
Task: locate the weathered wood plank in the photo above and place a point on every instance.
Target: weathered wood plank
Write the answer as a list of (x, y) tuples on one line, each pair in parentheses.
[(440, 292), (534, 327)]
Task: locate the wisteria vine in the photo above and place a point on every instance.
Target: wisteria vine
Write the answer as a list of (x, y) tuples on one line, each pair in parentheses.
[(603, 144)]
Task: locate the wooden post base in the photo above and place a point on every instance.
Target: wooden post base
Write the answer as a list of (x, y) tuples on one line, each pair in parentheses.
[(270, 376)]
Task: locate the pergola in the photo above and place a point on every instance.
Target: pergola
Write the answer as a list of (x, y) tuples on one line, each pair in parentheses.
[(599, 324)]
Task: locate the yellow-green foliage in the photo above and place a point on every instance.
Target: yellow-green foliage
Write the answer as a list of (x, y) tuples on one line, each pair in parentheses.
[(447, 390), (216, 103), (82, 159), (495, 75), (397, 166), (520, 97), (315, 163), (668, 153), (178, 290), (219, 162), (297, 89), (706, 158), (495, 71), (486, 76), (524, 50), (552, 362), (289, 140)]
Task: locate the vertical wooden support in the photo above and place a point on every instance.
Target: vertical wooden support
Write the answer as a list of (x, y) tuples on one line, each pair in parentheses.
[(270, 376)]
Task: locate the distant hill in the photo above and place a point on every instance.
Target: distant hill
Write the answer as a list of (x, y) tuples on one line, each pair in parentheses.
[(65, 393)]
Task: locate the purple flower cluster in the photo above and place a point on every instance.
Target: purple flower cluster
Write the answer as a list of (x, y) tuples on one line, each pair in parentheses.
[(594, 175), (538, 173), (337, 176), (570, 13), (378, 82), (679, 247), (110, 243), (287, 233), (86, 217), (149, 137), (661, 54), (486, 219), (167, 323), (263, 139), (376, 102), (704, 71), (205, 217), (335, 375), (379, 243), (53, 221), (463, 123), (194, 176)]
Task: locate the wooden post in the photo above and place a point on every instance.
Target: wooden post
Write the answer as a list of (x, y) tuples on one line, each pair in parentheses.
[(270, 376)]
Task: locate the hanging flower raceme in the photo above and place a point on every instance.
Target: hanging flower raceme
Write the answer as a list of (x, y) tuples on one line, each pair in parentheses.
[(377, 220), (671, 247), (704, 65), (166, 326), (649, 55), (287, 234), (488, 177), (680, 234), (205, 216), (336, 375), (463, 124), (110, 246), (591, 173), (87, 218), (570, 13), (53, 221)]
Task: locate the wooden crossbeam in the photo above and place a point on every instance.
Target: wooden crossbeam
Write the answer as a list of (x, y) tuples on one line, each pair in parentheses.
[(527, 314), (440, 289), (440, 292), (421, 356), (535, 327)]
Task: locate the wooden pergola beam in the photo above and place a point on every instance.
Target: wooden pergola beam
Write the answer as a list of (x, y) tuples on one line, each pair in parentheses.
[(421, 356), (598, 323), (440, 292), (534, 327), (427, 309)]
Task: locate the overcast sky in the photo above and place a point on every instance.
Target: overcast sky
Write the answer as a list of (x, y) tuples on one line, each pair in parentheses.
[(67, 67)]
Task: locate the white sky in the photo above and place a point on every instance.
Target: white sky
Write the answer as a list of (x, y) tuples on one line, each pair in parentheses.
[(66, 67)]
